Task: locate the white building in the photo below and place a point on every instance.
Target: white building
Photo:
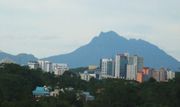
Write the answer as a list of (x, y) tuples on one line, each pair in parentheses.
[(59, 69), (136, 60), (55, 93), (131, 72), (87, 76), (140, 63), (106, 66), (33, 64), (170, 75), (45, 65)]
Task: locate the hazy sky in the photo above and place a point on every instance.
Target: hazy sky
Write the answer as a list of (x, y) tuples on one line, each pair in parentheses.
[(50, 27)]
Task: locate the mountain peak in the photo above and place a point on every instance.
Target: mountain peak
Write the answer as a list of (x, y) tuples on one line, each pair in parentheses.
[(108, 33), (111, 35), (24, 54), (108, 36)]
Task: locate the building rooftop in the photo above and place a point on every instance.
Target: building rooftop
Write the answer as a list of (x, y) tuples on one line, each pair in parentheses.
[(41, 91)]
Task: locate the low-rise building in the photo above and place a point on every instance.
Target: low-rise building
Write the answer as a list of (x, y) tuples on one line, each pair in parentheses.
[(33, 64), (59, 69), (88, 75), (55, 93), (139, 77), (163, 75), (92, 67), (41, 91), (147, 74), (144, 75)]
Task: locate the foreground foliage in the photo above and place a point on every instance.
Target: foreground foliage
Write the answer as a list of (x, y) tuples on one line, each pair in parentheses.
[(17, 83)]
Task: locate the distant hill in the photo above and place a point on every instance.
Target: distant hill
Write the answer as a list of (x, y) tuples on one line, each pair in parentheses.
[(110, 43), (21, 59)]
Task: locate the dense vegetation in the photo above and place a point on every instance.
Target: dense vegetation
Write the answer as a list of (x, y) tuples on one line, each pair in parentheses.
[(17, 83)]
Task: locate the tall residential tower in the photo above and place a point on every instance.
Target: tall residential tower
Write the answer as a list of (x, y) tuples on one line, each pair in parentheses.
[(107, 69), (121, 62)]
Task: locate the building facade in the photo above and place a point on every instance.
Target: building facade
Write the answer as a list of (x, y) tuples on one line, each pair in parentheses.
[(106, 66), (33, 64), (59, 69), (170, 75), (121, 62), (87, 76), (135, 65), (46, 66), (131, 72)]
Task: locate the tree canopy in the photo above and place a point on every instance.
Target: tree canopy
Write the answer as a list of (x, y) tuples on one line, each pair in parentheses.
[(17, 83)]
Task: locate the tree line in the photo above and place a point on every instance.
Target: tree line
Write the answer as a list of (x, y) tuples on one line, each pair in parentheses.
[(17, 83)]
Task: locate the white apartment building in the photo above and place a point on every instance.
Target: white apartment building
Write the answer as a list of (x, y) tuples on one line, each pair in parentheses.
[(59, 69), (106, 65), (45, 65), (121, 61), (131, 72), (87, 76), (170, 75), (33, 64)]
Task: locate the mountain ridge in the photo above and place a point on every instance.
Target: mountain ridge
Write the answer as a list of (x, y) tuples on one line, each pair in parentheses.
[(108, 44)]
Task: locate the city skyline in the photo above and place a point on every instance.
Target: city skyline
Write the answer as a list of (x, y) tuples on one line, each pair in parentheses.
[(46, 28)]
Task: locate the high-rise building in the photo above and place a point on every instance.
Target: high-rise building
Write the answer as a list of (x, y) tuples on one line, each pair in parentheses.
[(131, 68), (106, 65), (162, 75), (41, 64), (136, 60), (121, 62), (59, 69), (140, 63), (131, 72), (48, 66), (155, 75), (135, 64), (45, 65), (170, 75)]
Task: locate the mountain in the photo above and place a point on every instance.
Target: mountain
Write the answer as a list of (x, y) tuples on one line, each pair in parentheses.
[(108, 44), (21, 59)]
